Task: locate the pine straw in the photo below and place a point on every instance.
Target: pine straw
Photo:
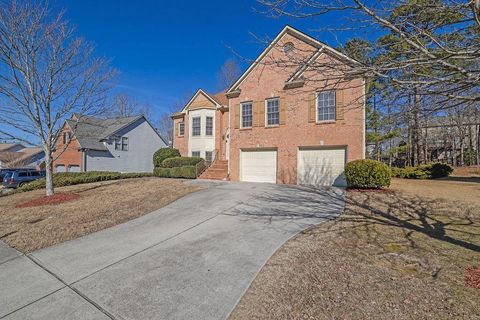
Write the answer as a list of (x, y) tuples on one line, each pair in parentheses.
[(389, 256), (100, 205)]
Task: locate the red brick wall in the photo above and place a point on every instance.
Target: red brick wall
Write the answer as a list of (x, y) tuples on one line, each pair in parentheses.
[(221, 127), (71, 155), (181, 143), (266, 81)]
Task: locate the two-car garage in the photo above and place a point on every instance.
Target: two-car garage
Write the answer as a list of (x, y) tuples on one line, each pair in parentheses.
[(316, 166)]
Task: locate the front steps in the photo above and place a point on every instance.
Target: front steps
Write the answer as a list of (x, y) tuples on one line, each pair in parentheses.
[(217, 171)]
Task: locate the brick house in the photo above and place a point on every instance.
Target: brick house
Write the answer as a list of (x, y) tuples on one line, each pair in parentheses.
[(123, 144), (281, 122)]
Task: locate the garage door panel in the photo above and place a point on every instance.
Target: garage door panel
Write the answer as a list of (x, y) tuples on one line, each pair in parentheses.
[(259, 166), (321, 167)]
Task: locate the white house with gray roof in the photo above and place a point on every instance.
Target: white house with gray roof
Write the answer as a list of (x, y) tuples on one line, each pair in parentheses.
[(116, 144)]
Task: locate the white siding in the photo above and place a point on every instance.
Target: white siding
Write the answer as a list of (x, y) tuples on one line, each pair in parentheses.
[(143, 141), (201, 143)]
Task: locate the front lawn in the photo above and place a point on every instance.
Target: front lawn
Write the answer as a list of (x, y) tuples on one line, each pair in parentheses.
[(100, 205), (391, 255)]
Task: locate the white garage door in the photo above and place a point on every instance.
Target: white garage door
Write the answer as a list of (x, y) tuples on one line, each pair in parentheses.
[(60, 168), (321, 167), (74, 169), (259, 166)]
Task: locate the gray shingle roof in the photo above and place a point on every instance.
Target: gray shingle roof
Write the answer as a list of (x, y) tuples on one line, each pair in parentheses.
[(90, 131)]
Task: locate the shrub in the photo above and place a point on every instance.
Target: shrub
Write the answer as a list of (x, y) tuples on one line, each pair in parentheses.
[(180, 162), (367, 174), (163, 154), (427, 171), (188, 172), (439, 170), (62, 179)]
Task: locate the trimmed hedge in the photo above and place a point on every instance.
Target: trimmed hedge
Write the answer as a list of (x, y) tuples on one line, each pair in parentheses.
[(163, 154), (187, 172), (62, 179), (432, 170), (180, 162), (367, 174)]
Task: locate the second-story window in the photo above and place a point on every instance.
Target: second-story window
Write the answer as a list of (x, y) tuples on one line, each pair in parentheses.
[(326, 106), (118, 143), (246, 112), (273, 112), (67, 137), (196, 126), (121, 143), (124, 144), (209, 126), (181, 129)]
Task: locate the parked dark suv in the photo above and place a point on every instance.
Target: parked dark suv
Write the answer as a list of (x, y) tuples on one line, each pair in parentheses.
[(18, 177)]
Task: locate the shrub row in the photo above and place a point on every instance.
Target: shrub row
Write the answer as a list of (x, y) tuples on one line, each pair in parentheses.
[(187, 172), (160, 155), (427, 171), (71, 178), (180, 162), (367, 174)]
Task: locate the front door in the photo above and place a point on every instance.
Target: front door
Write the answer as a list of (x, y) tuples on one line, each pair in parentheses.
[(227, 144)]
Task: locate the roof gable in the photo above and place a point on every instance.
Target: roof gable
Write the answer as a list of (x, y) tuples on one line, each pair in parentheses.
[(201, 100), (321, 48)]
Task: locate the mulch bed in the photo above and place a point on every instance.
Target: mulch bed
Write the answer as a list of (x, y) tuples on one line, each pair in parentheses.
[(49, 200), (370, 190), (472, 278)]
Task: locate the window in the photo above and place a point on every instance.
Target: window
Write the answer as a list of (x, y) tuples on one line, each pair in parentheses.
[(195, 153), (67, 136), (273, 112), (23, 174), (35, 174), (209, 126), (326, 105), (288, 48), (208, 156), (121, 143), (124, 144), (196, 125), (246, 120), (118, 143), (181, 129)]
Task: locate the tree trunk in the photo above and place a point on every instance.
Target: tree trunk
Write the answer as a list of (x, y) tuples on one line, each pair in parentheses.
[(416, 134), (48, 172)]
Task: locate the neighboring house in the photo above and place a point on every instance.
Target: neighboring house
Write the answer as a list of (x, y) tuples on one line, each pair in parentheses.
[(280, 123), (15, 155), (116, 144)]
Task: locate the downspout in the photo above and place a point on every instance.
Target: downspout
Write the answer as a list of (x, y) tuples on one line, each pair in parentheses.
[(84, 169)]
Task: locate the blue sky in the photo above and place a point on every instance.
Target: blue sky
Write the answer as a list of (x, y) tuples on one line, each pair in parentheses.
[(165, 50)]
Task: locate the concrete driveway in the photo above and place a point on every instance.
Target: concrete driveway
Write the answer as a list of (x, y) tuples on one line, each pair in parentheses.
[(192, 259)]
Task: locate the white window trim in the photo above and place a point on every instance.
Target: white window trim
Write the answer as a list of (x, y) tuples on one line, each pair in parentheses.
[(199, 153), (180, 123), (241, 113), (266, 112), (209, 135), (316, 107), (200, 135)]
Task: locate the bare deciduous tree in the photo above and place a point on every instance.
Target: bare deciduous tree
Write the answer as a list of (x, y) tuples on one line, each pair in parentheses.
[(228, 74), (124, 105), (46, 74), (431, 46)]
